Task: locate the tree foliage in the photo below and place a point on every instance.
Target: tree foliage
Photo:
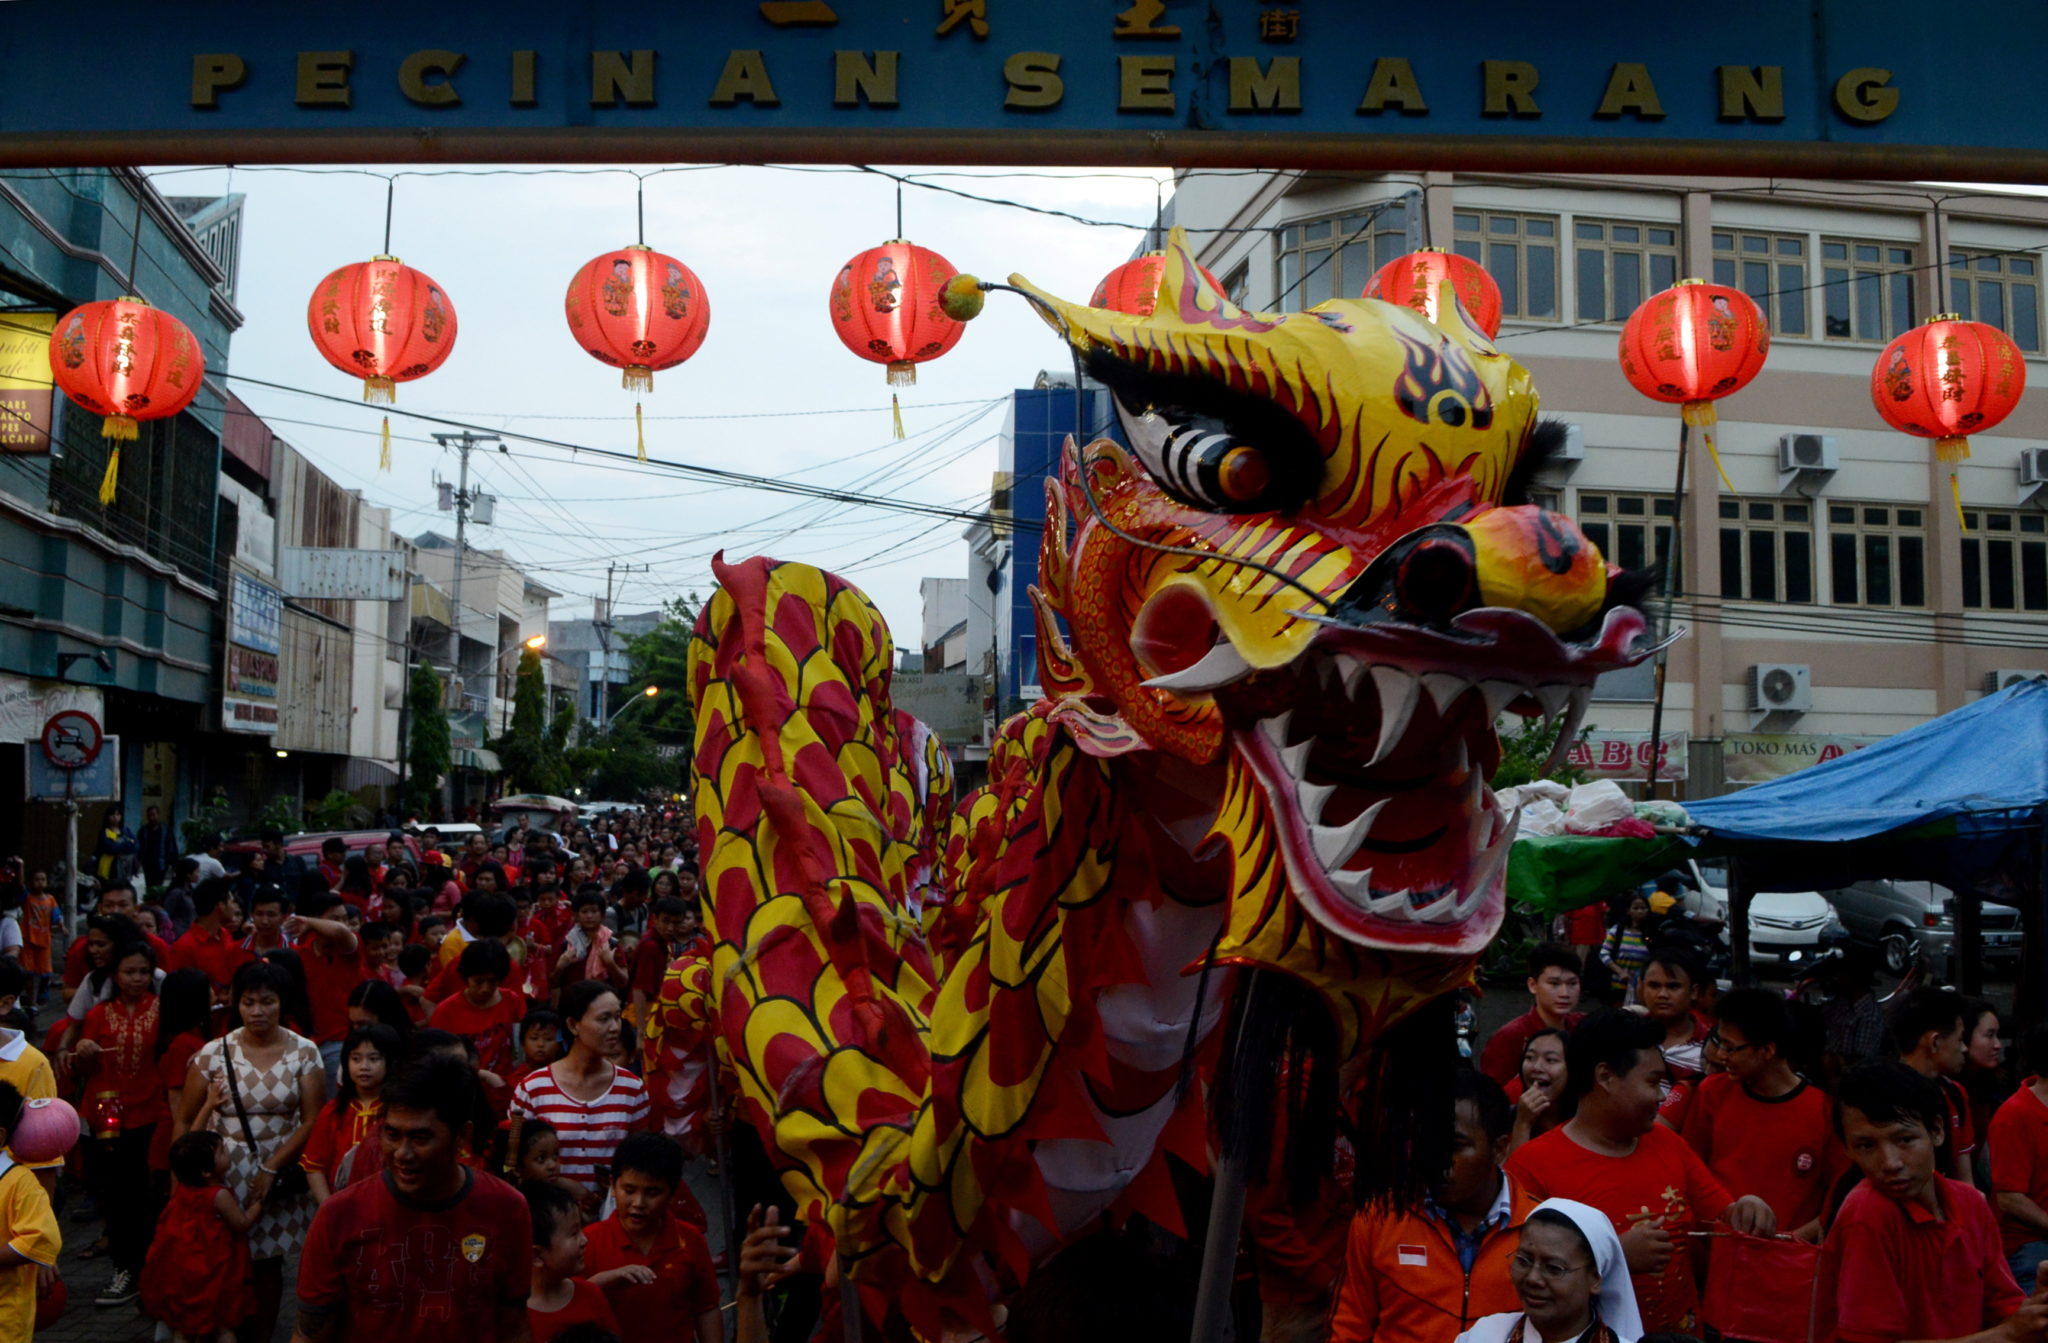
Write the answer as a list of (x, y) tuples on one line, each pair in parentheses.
[(661, 657), (1523, 751), (527, 751), (428, 756)]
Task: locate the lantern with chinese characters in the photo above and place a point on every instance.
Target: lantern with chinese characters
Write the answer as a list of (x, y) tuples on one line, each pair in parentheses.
[(1695, 343), (1417, 281), (384, 322), (1948, 379), (126, 361), (1134, 286), (887, 307), (638, 310)]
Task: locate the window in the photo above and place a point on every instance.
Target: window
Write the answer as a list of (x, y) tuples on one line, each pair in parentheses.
[(1547, 500), (1237, 285), (1618, 265), (1322, 259), (1520, 252), (1766, 550), (1878, 555), (2005, 561), (1622, 525), (1770, 268), (1999, 290), (1866, 288)]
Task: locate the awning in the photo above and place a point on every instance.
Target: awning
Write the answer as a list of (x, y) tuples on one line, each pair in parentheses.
[(482, 761), (363, 772)]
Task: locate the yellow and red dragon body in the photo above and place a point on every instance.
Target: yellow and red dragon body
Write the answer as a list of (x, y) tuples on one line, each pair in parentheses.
[(1275, 634)]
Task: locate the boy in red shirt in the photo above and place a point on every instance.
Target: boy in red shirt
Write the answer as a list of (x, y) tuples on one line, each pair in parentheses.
[(2018, 1143), (484, 1013), (655, 1269), (1927, 1030), (332, 960), (1913, 1254), (562, 1298), (663, 943), (1760, 1125), (1554, 987), (1612, 1154)]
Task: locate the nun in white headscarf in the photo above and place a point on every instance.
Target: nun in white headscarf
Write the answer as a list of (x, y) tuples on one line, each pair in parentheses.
[(1573, 1282)]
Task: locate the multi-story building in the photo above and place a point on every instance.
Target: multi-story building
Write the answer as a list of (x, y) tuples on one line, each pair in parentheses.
[(593, 659), (111, 608), (1831, 591)]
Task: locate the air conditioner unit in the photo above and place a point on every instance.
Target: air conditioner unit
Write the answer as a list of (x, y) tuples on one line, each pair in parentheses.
[(1781, 687), (1995, 681), (1808, 452), (1574, 449), (2033, 467)]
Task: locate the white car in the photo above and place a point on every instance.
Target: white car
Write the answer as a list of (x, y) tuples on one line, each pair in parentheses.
[(1785, 927)]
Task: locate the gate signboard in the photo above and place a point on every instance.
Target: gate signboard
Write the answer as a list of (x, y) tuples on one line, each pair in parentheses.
[(1821, 86)]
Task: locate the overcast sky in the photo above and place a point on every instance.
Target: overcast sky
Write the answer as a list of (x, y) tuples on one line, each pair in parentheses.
[(766, 243)]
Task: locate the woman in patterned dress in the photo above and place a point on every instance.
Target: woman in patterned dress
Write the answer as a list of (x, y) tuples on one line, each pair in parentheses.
[(283, 1084)]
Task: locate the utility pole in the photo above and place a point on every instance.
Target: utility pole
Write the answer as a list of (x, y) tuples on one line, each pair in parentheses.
[(603, 626), (463, 443)]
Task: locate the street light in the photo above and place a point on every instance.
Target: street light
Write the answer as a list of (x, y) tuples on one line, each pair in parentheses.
[(646, 694), (536, 642), (533, 643)]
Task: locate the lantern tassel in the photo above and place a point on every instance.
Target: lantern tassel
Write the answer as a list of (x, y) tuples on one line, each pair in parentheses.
[(902, 373), (1702, 416), (380, 390), (1955, 492), (637, 378), (896, 414), (108, 481), (639, 433), (384, 446), (1951, 450)]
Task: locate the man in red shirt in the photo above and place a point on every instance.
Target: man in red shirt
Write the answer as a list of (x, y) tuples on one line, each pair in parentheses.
[(1613, 1155), (663, 943), (116, 899), (427, 1250), (1672, 979), (655, 1269), (1912, 1254), (485, 1013), (332, 959), (1759, 1125), (1554, 984), (210, 944), (2018, 1145), (1927, 1031)]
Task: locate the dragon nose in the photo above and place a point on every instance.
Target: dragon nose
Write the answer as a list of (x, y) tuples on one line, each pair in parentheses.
[(1527, 559), (1437, 579)]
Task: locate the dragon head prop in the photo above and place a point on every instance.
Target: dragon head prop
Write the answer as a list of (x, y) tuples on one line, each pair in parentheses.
[(1307, 575)]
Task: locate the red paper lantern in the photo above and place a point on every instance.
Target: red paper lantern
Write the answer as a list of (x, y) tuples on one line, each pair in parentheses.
[(128, 362), (638, 310), (1134, 286), (1694, 343), (1948, 379), (1417, 280), (886, 308), (382, 321)]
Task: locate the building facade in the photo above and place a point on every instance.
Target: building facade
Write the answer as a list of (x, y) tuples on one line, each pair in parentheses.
[(1832, 591)]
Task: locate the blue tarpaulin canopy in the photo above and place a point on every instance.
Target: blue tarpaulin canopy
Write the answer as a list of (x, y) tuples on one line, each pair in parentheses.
[(1952, 801)]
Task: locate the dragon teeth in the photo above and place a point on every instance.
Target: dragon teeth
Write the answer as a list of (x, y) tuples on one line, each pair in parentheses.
[(1444, 689), (1335, 844), (1398, 691), (1574, 715), (1312, 796), (1354, 886), (1553, 698), (1275, 729), (1295, 757)]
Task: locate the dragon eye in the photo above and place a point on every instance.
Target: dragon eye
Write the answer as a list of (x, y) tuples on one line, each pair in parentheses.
[(1201, 463)]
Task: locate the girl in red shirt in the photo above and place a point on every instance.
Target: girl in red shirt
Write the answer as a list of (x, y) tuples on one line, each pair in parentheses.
[(367, 1058), (197, 1277), (116, 1054)]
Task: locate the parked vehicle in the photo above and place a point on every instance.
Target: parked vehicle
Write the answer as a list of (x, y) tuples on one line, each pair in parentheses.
[(1786, 928), (306, 844), (538, 811), (1913, 922)]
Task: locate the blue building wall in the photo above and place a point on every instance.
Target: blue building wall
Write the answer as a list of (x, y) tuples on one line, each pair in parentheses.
[(1041, 422)]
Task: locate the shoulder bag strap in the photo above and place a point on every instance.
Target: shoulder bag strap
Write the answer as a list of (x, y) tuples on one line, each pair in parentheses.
[(227, 1053)]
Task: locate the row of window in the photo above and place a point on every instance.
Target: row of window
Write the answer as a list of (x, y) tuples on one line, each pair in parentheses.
[(1877, 553), (1866, 287)]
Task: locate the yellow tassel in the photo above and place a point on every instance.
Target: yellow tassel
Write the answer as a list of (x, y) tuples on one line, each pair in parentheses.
[(896, 414), (384, 446), (379, 390), (639, 432), (1955, 492), (1951, 450), (120, 428), (637, 378), (1701, 416), (113, 474), (902, 373)]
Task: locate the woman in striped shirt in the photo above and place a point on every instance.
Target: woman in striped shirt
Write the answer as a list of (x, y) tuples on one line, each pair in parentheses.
[(591, 1101)]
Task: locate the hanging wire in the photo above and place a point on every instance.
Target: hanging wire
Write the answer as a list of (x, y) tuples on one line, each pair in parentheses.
[(390, 194), (899, 209), (640, 212)]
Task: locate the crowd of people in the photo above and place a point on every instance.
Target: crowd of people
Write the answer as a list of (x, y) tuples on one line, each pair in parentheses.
[(425, 1075), (437, 1081)]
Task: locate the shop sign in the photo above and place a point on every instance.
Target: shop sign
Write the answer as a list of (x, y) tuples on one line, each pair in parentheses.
[(1756, 757), (249, 700), (1626, 756), (25, 393), (26, 705)]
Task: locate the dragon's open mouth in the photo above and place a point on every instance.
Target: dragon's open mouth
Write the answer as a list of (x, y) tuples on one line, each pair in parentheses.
[(1374, 749)]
